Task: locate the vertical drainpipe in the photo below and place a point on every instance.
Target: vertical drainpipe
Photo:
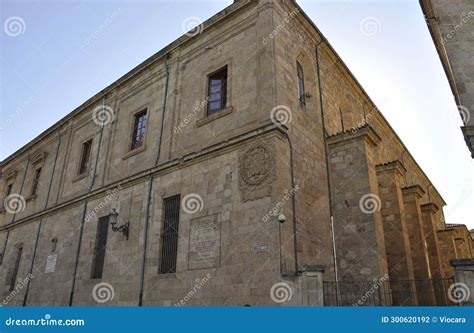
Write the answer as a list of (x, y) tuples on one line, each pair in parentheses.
[(292, 173), (14, 215), (327, 171), (41, 220), (293, 204), (81, 232), (150, 185)]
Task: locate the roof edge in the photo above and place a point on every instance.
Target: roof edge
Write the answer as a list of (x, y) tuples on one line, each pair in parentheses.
[(231, 9), (364, 92)]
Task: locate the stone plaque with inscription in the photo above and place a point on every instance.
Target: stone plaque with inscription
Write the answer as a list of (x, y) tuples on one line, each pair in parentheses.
[(51, 263), (204, 242), (260, 248)]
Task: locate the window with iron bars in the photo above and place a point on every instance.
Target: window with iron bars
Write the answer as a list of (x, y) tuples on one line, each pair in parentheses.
[(169, 237)]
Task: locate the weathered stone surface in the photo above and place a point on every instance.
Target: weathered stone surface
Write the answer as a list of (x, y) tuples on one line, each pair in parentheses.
[(257, 171), (451, 25)]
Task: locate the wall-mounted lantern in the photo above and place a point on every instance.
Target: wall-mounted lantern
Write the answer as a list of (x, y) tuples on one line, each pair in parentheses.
[(113, 217)]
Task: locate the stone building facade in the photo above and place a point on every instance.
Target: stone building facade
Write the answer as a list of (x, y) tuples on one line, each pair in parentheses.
[(451, 25), (157, 192)]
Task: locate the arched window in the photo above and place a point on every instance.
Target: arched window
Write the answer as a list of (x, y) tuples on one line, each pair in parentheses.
[(301, 92)]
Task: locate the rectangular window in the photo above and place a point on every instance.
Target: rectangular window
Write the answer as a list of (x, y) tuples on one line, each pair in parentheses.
[(15, 268), (217, 91), (169, 237), (85, 157), (36, 178), (138, 134), (100, 247)]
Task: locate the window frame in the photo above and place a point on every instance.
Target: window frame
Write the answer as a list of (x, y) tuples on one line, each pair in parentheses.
[(100, 248), (80, 170), (169, 238), (9, 189), (16, 267), (300, 84), (222, 74), (135, 127), (36, 179)]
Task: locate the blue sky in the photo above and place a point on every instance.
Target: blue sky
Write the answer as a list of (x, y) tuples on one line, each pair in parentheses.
[(68, 51)]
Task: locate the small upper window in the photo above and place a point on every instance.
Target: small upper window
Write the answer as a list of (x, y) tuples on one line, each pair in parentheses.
[(85, 157), (139, 125), (9, 190), (36, 178), (217, 91), (301, 91)]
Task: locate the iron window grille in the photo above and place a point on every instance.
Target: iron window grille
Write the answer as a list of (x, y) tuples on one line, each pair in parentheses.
[(169, 237)]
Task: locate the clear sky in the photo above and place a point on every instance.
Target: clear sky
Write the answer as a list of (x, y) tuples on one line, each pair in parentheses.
[(64, 52)]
